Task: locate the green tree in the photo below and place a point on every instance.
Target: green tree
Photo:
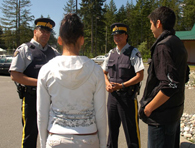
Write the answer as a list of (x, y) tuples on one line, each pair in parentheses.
[(131, 15), (91, 12), (121, 15), (145, 52), (16, 14), (188, 14), (70, 7), (110, 18), (2, 43)]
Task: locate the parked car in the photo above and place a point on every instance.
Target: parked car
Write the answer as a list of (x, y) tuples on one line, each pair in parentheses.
[(4, 56), (5, 63), (99, 59)]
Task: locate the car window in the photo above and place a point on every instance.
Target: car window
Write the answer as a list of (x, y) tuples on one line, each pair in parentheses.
[(2, 60), (8, 61)]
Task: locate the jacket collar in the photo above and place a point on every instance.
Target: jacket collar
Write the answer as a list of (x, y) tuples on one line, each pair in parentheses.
[(163, 35)]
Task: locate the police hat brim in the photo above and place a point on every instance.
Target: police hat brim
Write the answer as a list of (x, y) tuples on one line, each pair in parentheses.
[(118, 32), (46, 28)]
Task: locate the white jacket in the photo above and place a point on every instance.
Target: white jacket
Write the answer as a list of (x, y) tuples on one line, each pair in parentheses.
[(71, 98)]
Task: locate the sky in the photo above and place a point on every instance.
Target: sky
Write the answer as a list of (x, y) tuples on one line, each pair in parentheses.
[(54, 9)]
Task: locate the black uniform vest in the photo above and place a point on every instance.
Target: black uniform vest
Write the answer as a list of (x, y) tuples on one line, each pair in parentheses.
[(119, 66), (39, 58)]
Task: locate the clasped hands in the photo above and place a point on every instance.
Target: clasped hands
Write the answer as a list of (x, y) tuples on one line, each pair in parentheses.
[(113, 86), (116, 86)]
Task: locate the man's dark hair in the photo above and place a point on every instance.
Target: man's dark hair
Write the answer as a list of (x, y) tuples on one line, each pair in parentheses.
[(165, 15), (71, 29)]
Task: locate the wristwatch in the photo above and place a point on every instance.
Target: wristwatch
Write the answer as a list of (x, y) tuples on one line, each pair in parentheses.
[(123, 86)]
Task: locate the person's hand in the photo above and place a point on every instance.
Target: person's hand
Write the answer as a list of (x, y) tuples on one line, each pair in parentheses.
[(109, 87), (147, 111), (116, 86)]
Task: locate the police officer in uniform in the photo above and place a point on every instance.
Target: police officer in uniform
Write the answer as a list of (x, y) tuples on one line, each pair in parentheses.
[(125, 68), (27, 61)]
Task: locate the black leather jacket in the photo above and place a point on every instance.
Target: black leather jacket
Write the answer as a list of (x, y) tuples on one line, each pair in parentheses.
[(166, 73)]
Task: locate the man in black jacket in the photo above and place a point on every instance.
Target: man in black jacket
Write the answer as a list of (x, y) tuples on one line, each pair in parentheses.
[(163, 100)]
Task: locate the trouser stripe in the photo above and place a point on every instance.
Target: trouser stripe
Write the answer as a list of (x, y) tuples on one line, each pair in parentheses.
[(24, 121), (136, 120)]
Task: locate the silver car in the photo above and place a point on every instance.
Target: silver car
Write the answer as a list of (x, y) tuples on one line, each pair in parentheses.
[(99, 59)]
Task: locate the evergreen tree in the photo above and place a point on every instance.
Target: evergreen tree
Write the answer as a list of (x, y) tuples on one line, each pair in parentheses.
[(110, 18), (188, 14), (2, 43), (121, 15), (131, 16), (16, 16), (70, 7), (91, 12), (139, 24)]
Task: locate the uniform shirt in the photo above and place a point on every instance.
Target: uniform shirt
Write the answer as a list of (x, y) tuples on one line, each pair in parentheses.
[(23, 56), (135, 59)]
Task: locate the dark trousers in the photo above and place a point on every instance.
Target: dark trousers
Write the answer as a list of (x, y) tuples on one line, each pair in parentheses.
[(123, 110), (163, 136), (177, 137), (29, 121)]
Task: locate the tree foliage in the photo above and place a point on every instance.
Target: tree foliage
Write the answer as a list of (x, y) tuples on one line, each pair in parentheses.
[(91, 12), (16, 22), (188, 14), (70, 7)]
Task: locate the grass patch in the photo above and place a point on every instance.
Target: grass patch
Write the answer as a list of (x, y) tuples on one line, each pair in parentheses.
[(192, 67)]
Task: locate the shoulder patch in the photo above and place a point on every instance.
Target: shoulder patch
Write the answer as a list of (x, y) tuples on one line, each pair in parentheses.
[(16, 53), (113, 50), (139, 54)]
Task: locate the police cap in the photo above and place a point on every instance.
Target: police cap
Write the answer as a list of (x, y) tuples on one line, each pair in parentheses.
[(118, 28), (45, 23)]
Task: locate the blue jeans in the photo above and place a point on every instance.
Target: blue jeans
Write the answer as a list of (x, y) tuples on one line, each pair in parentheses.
[(162, 136)]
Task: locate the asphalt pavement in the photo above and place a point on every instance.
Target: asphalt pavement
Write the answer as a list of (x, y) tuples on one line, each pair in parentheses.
[(10, 114)]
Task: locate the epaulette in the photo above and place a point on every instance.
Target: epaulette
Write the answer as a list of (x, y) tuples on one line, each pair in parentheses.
[(129, 50), (139, 54), (30, 45), (113, 50)]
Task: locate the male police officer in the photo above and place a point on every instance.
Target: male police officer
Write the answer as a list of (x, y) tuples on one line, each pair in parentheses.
[(125, 68), (28, 59)]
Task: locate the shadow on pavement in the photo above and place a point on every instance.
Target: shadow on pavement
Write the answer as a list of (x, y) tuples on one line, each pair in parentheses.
[(187, 145)]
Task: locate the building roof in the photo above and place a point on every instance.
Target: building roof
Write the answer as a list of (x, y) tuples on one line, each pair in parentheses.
[(186, 35)]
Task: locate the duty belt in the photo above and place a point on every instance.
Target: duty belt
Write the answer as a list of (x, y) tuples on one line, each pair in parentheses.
[(31, 89), (131, 90)]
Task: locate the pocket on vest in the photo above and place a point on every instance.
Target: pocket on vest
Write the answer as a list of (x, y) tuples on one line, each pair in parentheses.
[(124, 70)]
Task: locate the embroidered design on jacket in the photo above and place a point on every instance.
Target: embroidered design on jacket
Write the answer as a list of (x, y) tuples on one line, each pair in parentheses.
[(82, 119), (171, 84)]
